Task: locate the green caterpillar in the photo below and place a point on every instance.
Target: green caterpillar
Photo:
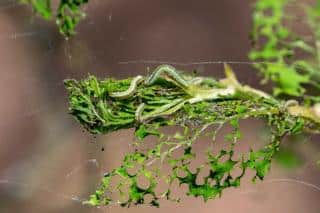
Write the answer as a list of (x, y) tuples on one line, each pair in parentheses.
[(130, 91)]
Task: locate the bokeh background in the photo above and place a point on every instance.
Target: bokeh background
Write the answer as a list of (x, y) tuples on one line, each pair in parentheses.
[(49, 164)]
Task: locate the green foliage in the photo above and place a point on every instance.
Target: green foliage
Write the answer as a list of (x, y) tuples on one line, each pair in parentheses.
[(291, 61), (199, 107), (67, 16), (98, 112)]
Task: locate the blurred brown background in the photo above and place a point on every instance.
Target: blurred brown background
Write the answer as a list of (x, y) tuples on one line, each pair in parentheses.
[(48, 164)]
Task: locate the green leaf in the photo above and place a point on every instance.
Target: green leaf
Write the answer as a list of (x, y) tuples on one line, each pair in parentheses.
[(288, 79)]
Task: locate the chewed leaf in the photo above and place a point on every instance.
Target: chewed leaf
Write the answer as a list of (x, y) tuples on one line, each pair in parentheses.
[(141, 172)]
